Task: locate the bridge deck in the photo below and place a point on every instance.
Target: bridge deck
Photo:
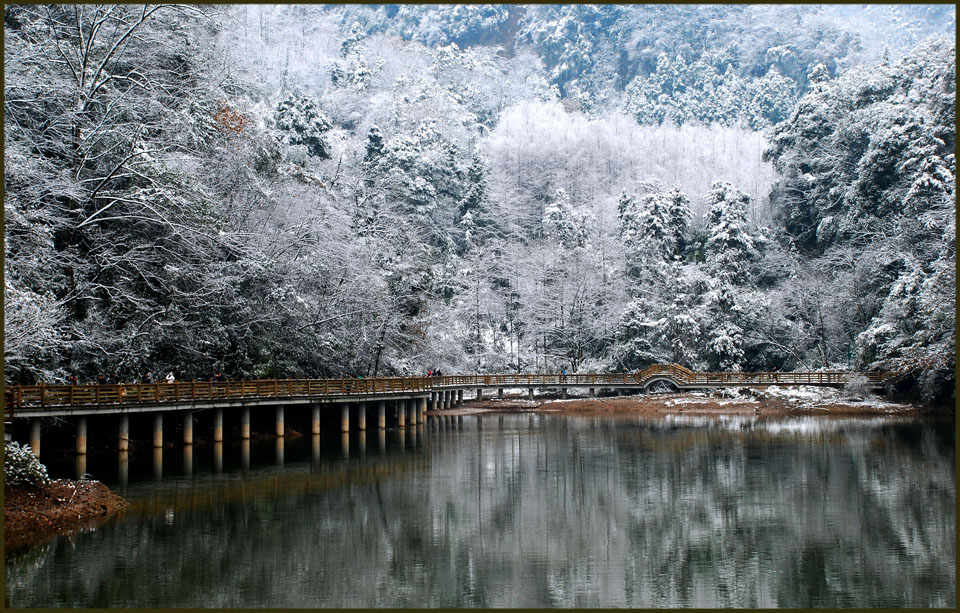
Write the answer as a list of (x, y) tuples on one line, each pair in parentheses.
[(53, 400)]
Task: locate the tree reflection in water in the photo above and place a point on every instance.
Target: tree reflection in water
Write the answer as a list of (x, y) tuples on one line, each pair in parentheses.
[(547, 511)]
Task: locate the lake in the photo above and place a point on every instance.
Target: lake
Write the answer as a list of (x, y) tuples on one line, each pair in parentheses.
[(523, 510)]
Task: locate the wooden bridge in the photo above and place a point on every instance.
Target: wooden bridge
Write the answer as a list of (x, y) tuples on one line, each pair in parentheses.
[(409, 396)]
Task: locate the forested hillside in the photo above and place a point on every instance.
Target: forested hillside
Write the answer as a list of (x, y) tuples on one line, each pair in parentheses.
[(323, 190)]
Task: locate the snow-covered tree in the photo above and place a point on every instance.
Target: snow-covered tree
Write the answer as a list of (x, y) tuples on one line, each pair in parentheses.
[(730, 243), (300, 122)]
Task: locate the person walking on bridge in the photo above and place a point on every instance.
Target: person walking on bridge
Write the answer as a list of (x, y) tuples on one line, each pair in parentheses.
[(170, 378)]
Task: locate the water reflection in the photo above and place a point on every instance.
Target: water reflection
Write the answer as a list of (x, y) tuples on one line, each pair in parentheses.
[(571, 513), (245, 454), (278, 444)]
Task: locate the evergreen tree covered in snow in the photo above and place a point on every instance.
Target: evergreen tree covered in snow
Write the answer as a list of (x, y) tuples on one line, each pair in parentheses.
[(300, 122), (730, 244), (473, 214), (867, 163), (678, 218)]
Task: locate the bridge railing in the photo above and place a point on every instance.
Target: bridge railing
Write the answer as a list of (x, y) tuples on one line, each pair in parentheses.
[(206, 391), (193, 391), (534, 380)]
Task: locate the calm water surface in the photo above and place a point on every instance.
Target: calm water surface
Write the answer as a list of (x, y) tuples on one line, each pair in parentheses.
[(524, 511)]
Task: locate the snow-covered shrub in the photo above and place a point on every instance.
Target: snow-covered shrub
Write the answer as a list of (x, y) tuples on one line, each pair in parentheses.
[(856, 386), (21, 467)]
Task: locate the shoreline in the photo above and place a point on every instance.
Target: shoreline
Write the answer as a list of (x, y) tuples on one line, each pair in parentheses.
[(33, 516), (702, 404)]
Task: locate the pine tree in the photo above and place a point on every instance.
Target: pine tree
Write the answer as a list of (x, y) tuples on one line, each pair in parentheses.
[(730, 244), (375, 145), (300, 122), (678, 218)]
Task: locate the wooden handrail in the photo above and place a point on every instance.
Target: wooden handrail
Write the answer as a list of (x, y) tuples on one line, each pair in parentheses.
[(43, 395)]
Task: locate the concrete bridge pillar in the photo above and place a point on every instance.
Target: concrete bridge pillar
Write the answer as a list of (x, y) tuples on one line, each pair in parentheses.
[(500, 393), (218, 458), (245, 423), (345, 417), (593, 392), (433, 401), (315, 419), (563, 393), (188, 427), (123, 442), (82, 435), (158, 430), (402, 413), (188, 460), (158, 463), (423, 411), (35, 436), (411, 412), (279, 422), (479, 393), (459, 397), (530, 393), (218, 425), (361, 416), (381, 414), (123, 466), (448, 403)]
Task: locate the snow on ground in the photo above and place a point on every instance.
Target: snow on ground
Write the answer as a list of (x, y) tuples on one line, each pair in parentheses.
[(812, 396), (807, 393)]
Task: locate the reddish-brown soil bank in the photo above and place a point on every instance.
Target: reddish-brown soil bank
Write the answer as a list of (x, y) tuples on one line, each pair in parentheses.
[(32, 516)]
